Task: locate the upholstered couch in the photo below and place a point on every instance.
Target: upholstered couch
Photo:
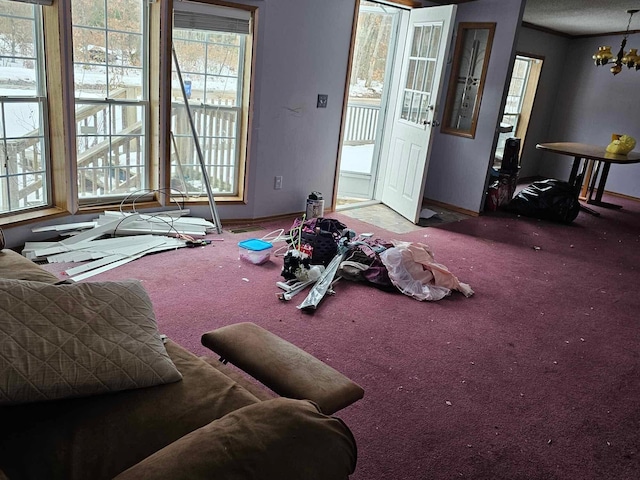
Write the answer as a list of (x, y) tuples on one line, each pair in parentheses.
[(201, 419)]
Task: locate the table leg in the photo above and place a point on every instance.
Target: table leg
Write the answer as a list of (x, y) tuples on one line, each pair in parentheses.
[(603, 180), (587, 179), (592, 185), (576, 180), (574, 170)]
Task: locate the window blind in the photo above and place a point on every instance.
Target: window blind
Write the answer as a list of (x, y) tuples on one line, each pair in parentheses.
[(198, 16)]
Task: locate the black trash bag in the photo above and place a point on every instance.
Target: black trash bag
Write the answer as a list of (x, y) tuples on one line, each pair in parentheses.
[(548, 200)]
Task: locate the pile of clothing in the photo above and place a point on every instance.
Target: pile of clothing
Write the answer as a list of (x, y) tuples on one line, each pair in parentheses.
[(323, 250)]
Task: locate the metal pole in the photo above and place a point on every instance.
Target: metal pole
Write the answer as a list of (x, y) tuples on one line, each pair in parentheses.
[(205, 175)]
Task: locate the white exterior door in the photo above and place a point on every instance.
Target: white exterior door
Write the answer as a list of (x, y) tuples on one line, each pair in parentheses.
[(408, 138)]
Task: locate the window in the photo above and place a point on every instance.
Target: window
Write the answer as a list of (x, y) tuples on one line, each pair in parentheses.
[(516, 91), (90, 131), (24, 181), (111, 92), (211, 47), (517, 110)]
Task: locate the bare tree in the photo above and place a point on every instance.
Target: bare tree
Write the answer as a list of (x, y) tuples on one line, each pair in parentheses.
[(16, 35)]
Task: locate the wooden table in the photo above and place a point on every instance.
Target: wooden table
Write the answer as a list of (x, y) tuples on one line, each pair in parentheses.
[(588, 159)]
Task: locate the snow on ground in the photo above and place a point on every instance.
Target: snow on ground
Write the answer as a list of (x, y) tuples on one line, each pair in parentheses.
[(17, 74), (359, 90), (356, 158)]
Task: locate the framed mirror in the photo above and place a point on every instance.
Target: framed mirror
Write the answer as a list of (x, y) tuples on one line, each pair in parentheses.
[(469, 69)]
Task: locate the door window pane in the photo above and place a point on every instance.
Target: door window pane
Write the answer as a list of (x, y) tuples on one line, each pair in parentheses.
[(419, 84), (411, 74), (419, 81), (417, 39), (425, 41), (434, 45)]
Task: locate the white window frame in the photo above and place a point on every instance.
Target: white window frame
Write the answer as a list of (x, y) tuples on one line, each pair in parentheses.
[(222, 19), (112, 104), (41, 99)]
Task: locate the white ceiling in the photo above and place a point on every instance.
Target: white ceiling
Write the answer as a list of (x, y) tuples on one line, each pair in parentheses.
[(583, 17)]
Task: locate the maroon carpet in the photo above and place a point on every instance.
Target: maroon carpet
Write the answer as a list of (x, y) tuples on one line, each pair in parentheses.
[(535, 377)]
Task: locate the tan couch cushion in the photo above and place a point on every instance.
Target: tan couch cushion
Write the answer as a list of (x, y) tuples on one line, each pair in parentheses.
[(73, 340), (15, 266), (279, 439), (100, 436)]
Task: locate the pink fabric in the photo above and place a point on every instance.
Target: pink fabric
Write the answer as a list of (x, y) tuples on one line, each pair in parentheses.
[(422, 254), (414, 271)]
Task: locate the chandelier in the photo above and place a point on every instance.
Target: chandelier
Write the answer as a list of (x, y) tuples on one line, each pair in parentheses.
[(630, 59)]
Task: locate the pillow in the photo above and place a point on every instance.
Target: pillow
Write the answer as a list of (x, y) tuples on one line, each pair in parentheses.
[(73, 340), (16, 267)]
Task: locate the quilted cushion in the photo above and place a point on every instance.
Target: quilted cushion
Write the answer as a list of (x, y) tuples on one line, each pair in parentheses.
[(72, 340)]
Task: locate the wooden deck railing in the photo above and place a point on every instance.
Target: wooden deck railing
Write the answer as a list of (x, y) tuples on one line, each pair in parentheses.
[(217, 127), (114, 164), (96, 169), (361, 124), (23, 158)]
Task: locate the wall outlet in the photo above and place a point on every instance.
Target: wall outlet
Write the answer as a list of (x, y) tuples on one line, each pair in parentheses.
[(277, 182), (322, 100)]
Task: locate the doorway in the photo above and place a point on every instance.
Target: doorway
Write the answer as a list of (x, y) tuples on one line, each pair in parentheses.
[(393, 164), (371, 68), (520, 97)]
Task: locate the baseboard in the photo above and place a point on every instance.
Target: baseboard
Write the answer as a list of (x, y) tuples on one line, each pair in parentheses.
[(249, 221), (284, 216), (622, 195), (453, 208)]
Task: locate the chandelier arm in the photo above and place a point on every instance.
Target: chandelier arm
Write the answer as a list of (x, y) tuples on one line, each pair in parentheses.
[(621, 51)]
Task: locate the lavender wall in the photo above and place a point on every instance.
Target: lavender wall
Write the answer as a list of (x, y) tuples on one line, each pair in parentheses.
[(459, 166), (591, 105), (304, 52)]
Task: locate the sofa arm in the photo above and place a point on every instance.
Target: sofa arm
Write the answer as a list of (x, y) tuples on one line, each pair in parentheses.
[(280, 438), (283, 367)]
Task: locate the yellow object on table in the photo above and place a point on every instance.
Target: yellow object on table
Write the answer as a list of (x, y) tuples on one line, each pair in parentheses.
[(621, 144)]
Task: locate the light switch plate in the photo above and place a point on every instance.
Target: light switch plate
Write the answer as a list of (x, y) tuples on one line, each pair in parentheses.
[(322, 100)]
